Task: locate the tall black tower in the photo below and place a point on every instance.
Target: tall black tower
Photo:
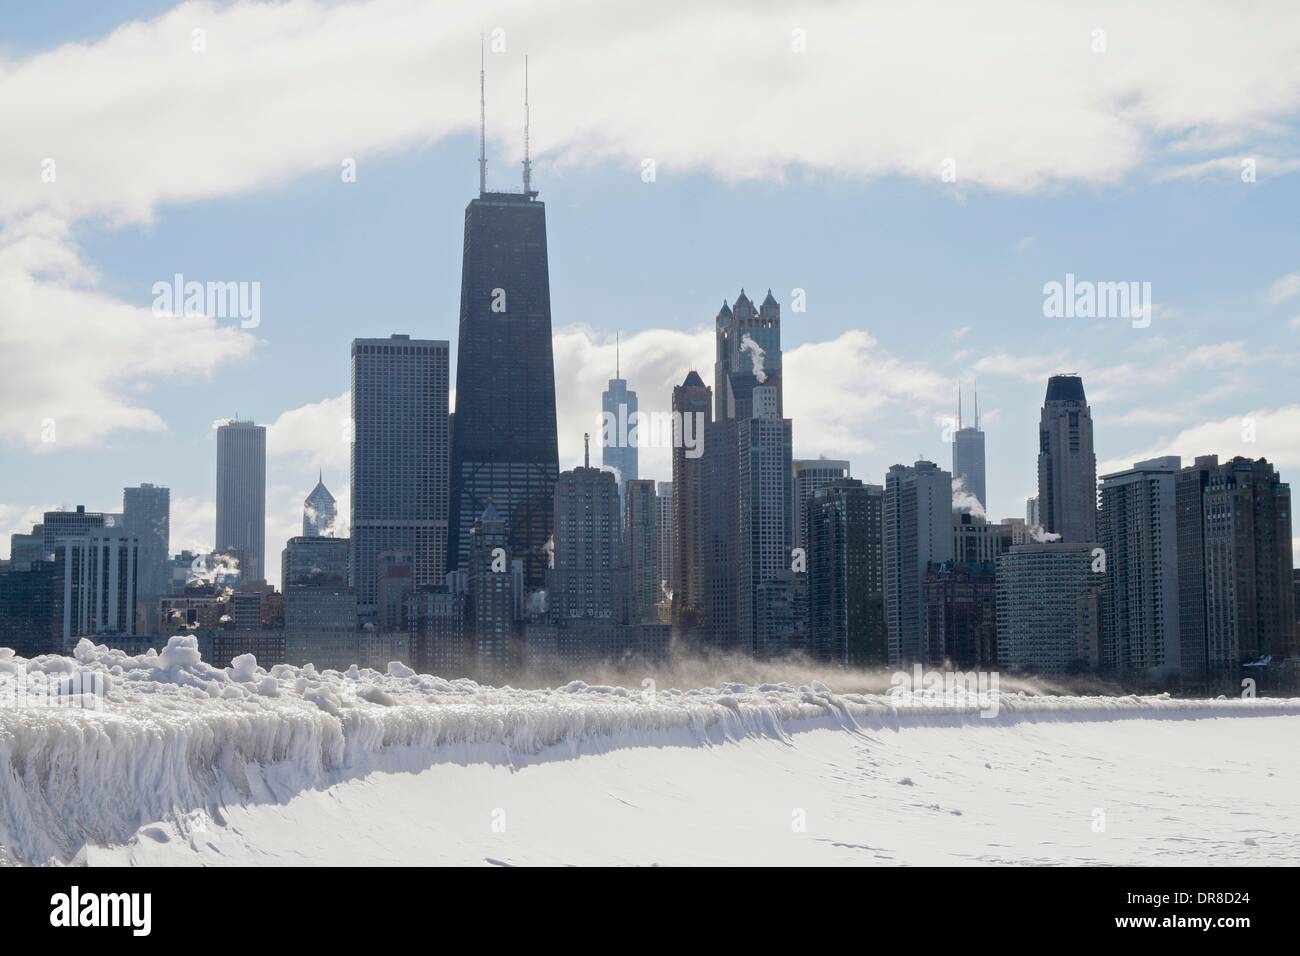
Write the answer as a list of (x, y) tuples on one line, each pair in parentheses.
[(504, 449)]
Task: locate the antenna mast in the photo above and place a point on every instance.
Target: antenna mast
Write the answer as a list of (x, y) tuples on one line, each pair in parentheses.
[(528, 163), (959, 407), (977, 404), (482, 122)]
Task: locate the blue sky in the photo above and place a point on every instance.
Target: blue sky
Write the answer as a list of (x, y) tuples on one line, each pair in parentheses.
[(945, 279)]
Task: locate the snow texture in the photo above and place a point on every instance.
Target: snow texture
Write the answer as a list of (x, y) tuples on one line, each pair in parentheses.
[(175, 739)]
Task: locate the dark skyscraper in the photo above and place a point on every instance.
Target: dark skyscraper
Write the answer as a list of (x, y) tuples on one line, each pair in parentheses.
[(968, 455), (846, 573), (1067, 466), (504, 448), (691, 422), (399, 459), (241, 496)]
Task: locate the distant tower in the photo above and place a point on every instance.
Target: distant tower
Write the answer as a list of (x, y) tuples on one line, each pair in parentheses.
[(691, 418), (618, 407), (146, 513), (917, 519), (968, 454), (241, 496), (1067, 465), (319, 512)]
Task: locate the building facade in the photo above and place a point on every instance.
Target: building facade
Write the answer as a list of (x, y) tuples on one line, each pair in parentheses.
[(917, 532), (1067, 465), (241, 496)]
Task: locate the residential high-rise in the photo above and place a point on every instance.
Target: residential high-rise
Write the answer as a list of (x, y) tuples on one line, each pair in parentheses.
[(666, 537), (961, 628), (27, 602), (1139, 600), (846, 574), (1048, 608), (1032, 517), (640, 550), (96, 583), (586, 582), (764, 486), (319, 512), (399, 459), (618, 434), (968, 455), (1236, 603), (691, 418), (975, 540), (504, 449), (809, 475), (1067, 465), (241, 495), (917, 532), (146, 513)]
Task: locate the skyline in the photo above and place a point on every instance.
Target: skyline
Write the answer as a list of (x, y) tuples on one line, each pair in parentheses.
[(951, 290)]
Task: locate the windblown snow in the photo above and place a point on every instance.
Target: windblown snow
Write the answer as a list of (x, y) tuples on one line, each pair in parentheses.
[(164, 759)]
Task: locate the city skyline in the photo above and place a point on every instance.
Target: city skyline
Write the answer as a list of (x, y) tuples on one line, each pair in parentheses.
[(1212, 384)]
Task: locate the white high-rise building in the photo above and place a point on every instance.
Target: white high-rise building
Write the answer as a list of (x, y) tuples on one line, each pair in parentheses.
[(319, 512), (763, 494), (666, 536), (97, 584)]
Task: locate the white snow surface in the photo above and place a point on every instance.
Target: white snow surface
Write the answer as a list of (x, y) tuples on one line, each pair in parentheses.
[(184, 762)]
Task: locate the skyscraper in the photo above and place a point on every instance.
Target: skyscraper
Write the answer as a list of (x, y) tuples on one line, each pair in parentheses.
[(490, 605), (846, 574), (618, 408), (57, 525), (666, 535), (146, 513), (1067, 466), (586, 580), (968, 455), (917, 531), (640, 549), (319, 512), (505, 449), (764, 491), (691, 416), (1236, 602), (809, 475), (1139, 600), (95, 585), (241, 495), (399, 459)]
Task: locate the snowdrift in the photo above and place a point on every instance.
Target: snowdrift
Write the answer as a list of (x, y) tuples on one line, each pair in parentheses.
[(94, 746)]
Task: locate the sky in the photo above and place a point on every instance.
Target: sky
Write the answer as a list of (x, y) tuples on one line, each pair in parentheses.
[(914, 174)]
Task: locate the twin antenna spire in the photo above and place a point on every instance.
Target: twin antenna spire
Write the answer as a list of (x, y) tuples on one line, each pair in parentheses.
[(977, 407), (482, 128)]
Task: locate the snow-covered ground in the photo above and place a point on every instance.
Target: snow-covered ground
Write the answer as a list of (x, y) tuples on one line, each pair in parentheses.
[(183, 763)]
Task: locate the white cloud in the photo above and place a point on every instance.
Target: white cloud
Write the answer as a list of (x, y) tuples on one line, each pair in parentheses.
[(1284, 288), (1272, 433)]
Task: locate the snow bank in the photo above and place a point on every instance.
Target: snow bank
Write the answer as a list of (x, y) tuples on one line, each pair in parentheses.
[(124, 740)]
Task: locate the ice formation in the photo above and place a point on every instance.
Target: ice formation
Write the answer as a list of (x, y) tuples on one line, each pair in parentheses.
[(94, 746)]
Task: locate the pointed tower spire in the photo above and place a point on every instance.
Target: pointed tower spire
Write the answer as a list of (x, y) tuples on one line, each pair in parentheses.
[(528, 163), (959, 406), (482, 121), (586, 449)]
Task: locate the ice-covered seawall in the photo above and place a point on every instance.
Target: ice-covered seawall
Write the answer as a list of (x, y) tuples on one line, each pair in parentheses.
[(94, 746)]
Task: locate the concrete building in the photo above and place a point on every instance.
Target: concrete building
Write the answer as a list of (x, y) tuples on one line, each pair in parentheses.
[(1048, 612), (1139, 535), (917, 532), (96, 586), (978, 541), (666, 539), (587, 580)]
